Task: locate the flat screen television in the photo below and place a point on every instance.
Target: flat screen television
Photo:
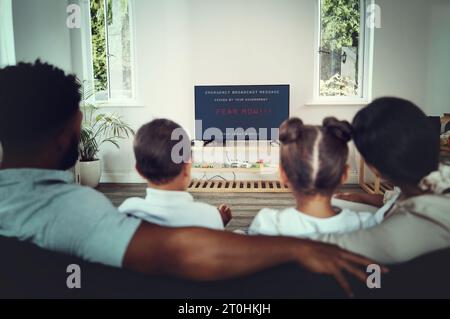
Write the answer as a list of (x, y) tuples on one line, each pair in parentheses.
[(240, 112)]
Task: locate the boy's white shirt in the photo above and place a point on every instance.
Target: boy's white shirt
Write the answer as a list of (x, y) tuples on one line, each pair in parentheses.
[(173, 209)]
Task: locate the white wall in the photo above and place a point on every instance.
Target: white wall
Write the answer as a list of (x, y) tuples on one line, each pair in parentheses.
[(412, 50), (400, 51)]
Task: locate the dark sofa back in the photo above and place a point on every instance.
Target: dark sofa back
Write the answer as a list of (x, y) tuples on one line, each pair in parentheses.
[(27, 271)]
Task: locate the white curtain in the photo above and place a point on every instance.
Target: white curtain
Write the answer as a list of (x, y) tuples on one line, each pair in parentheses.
[(7, 51)]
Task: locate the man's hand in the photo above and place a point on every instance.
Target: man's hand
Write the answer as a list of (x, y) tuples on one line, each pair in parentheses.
[(225, 212), (325, 259)]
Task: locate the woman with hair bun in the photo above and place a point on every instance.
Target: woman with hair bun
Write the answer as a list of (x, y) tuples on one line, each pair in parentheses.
[(313, 163)]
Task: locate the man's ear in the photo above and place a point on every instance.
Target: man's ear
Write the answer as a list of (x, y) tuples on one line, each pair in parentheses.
[(139, 171), (66, 135), (187, 167), (77, 122), (283, 177), (345, 175)]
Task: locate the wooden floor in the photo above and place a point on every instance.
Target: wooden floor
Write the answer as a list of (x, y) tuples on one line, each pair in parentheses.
[(244, 205)]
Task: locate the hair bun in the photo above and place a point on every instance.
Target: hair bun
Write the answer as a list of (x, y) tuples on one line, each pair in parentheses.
[(291, 130), (339, 129)]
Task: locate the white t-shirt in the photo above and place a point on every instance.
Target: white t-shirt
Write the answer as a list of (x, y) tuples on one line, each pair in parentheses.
[(46, 208), (293, 223), (173, 209)]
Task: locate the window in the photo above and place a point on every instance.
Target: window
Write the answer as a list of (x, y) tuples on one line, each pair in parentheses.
[(112, 52), (344, 51)]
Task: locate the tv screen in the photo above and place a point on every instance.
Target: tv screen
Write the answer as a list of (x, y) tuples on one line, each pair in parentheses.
[(240, 112)]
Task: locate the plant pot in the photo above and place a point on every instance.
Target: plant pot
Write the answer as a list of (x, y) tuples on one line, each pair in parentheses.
[(90, 173)]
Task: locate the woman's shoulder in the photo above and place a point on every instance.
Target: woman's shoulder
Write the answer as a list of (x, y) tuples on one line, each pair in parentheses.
[(424, 209), (360, 219), (429, 204)]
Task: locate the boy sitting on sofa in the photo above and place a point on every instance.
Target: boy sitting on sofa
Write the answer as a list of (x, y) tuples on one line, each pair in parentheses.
[(166, 166)]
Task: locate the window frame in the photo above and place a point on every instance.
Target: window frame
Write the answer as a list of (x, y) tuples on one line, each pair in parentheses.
[(365, 62), (88, 70)]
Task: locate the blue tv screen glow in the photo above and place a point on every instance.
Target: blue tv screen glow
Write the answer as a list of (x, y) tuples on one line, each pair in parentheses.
[(240, 112)]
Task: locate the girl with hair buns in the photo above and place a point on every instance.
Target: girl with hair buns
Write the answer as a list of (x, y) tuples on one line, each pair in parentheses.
[(313, 163)]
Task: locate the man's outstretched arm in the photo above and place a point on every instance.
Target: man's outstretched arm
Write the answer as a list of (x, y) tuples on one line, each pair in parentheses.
[(202, 254)]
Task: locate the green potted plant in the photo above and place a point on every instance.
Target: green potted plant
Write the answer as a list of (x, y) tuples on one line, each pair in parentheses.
[(97, 129)]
